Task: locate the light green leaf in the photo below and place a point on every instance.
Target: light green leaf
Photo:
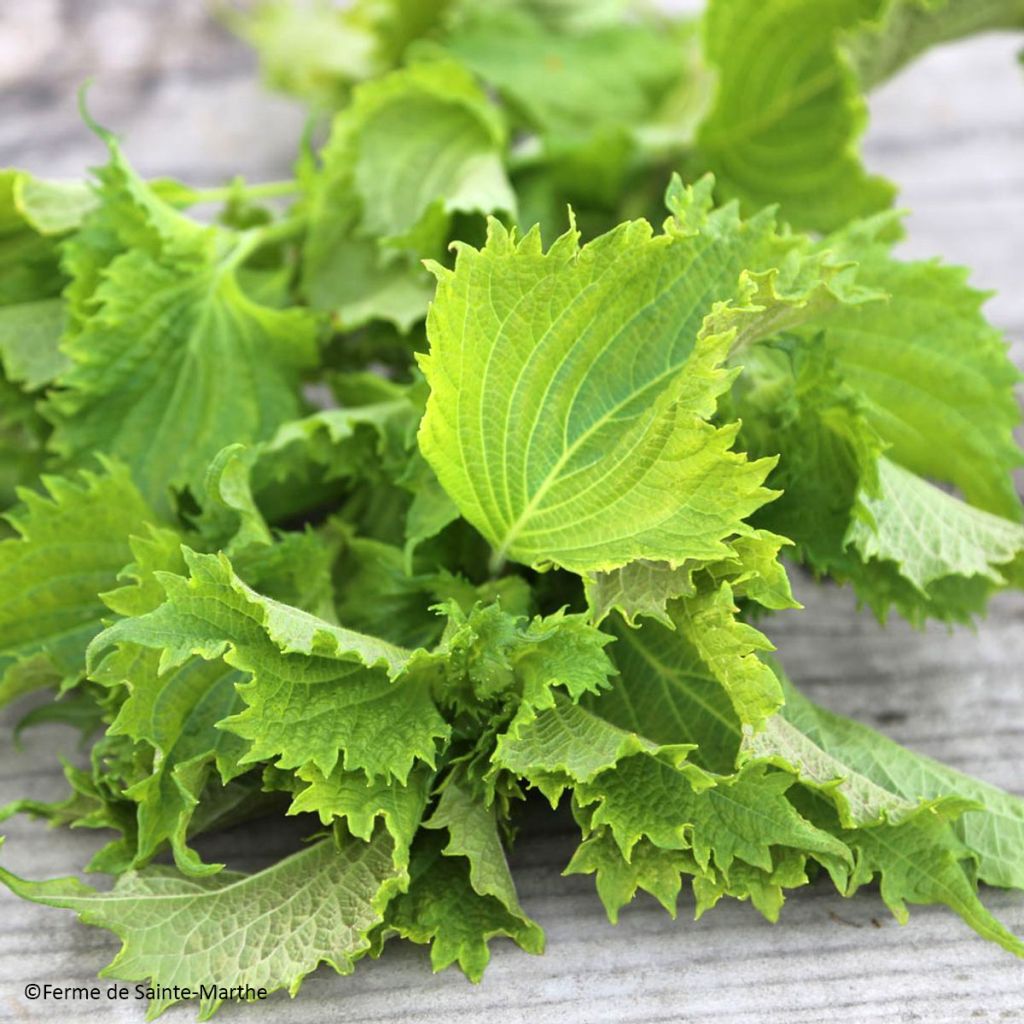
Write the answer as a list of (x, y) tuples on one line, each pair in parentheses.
[(650, 868), (52, 207), (151, 362), (645, 589), (858, 800), (906, 28), (377, 595), (640, 588), (754, 571), (571, 390), (159, 323), (317, 51), (793, 401), (230, 514), (266, 930), (442, 908), (23, 433), (722, 819), (788, 112), (29, 218), (566, 742), (342, 440), (765, 889), (570, 86), (214, 605), (666, 693), (352, 797), (431, 509), (933, 376), (414, 147), (994, 834), (449, 160), (319, 694), (72, 545), (29, 337), (498, 662), (176, 714), (32, 214), (929, 534), (473, 833), (801, 399), (729, 648), (921, 861)]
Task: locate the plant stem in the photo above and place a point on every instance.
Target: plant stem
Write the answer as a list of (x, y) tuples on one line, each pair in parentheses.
[(264, 190), (256, 238)]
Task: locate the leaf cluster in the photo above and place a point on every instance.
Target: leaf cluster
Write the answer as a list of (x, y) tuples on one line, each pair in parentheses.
[(362, 505)]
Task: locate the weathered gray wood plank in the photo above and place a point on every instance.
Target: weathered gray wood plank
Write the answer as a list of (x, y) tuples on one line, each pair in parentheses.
[(949, 130)]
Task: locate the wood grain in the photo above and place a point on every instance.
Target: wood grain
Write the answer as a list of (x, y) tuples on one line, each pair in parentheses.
[(186, 98)]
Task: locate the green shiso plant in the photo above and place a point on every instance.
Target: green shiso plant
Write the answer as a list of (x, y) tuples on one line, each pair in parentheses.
[(461, 465)]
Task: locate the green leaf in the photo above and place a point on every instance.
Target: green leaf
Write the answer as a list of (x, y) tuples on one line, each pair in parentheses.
[(431, 509), (350, 796), (667, 693), (929, 534), (444, 125), (151, 393), (787, 111), (72, 543), (473, 833), (176, 714), (23, 433), (213, 610), (794, 403), (33, 213), (51, 207), (729, 648), (415, 147), (639, 589), (754, 571), (562, 744), (230, 514), (650, 868), (722, 819), (317, 51), (994, 834), (764, 889), (319, 694), (921, 378), (159, 324), (712, 645), (933, 376), (442, 908), (921, 861), (906, 28), (571, 390), (858, 800), (569, 86), (29, 337), (266, 930), (497, 662), (341, 440), (646, 589), (378, 596)]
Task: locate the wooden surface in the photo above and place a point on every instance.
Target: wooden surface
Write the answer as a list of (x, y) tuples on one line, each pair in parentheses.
[(951, 133)]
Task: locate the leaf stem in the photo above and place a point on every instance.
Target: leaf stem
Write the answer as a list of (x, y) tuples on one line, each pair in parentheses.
[(256, 238), (264, 190)]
